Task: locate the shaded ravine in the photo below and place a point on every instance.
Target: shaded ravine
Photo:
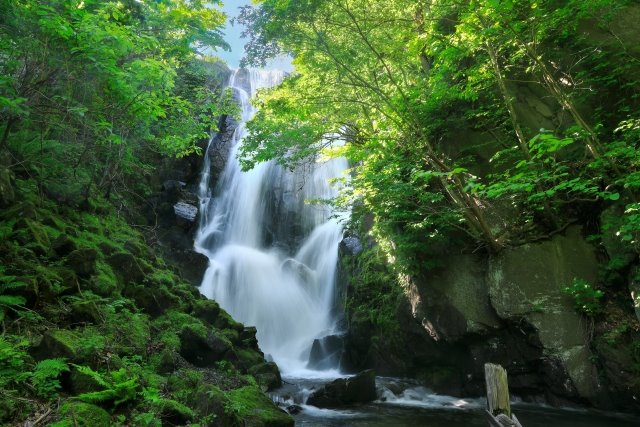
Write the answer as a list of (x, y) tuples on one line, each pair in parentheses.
[(273, 257)]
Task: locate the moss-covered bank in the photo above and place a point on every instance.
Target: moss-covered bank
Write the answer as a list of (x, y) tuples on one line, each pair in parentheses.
[(98, 330)]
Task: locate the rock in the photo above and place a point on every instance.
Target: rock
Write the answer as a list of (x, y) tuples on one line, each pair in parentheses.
[(256, 409), (84, 415), (82, 261), (526, 283), (326, 352), (63, 245), (360, 388), (248, 337), (172, 189), (454, 301), (85, 312), (80, 382), (7, 194), (186, 211), (267, 375), (191, 265), (351, 245), (210, 400), (294, 409), (203, 349), (207, 311), (57, 343), (126, 267), (154, 301)]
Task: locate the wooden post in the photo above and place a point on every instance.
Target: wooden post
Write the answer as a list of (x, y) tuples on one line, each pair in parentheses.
[(498, 405)]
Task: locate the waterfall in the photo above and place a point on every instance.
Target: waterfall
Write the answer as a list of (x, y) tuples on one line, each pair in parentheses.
[(272, 257)]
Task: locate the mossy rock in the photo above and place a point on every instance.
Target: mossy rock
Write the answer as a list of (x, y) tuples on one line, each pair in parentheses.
[(104, 282), (225, 321), (207, 311), (267, 375), (209, 400), (82, 261), (79, 382), (126, 267), (174, 412), (248, 358), (58, 343), (79, 414), (86, 312), (256, 409), (32, 235), (204, 350), (153, 301)]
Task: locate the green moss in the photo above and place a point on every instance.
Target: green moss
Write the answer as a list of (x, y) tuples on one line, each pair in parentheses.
[(79, 414), (104, 282), (256, 409)]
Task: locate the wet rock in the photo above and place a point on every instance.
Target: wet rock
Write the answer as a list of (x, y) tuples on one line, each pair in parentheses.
[(294, 409), (267, 375), (82, 261), (326, 352), (186, 212), (203, 349), (360, 388)]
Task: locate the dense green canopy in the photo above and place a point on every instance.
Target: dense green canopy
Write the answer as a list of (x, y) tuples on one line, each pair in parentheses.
[(431, 97)]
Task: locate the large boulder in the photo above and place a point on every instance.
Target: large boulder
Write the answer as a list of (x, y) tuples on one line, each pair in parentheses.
[(360, 388), (526, 283)]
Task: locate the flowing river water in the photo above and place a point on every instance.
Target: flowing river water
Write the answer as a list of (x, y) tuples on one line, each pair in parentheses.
[(272, 264)]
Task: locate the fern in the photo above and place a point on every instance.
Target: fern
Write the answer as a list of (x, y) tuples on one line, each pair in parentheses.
[(9, 302), (45, 376), (12, 362), (119, 386)]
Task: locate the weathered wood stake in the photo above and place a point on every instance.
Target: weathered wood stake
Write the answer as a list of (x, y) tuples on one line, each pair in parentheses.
[(498, 405)]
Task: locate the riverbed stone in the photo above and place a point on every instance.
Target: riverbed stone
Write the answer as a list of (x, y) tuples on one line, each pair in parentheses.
[(360, 388)]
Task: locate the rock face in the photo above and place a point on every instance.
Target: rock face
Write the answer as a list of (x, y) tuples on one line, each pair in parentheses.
[(360, 388), (509, 309), (326, 352), (525, 284)]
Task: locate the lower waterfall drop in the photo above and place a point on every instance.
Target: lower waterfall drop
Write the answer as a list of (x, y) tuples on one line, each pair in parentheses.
[(272, 257)]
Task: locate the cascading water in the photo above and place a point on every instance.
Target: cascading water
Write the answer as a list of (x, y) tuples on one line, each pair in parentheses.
[(273, 258)]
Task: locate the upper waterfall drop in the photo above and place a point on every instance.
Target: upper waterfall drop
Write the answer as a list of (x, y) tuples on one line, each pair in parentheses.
[(272, 257)]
